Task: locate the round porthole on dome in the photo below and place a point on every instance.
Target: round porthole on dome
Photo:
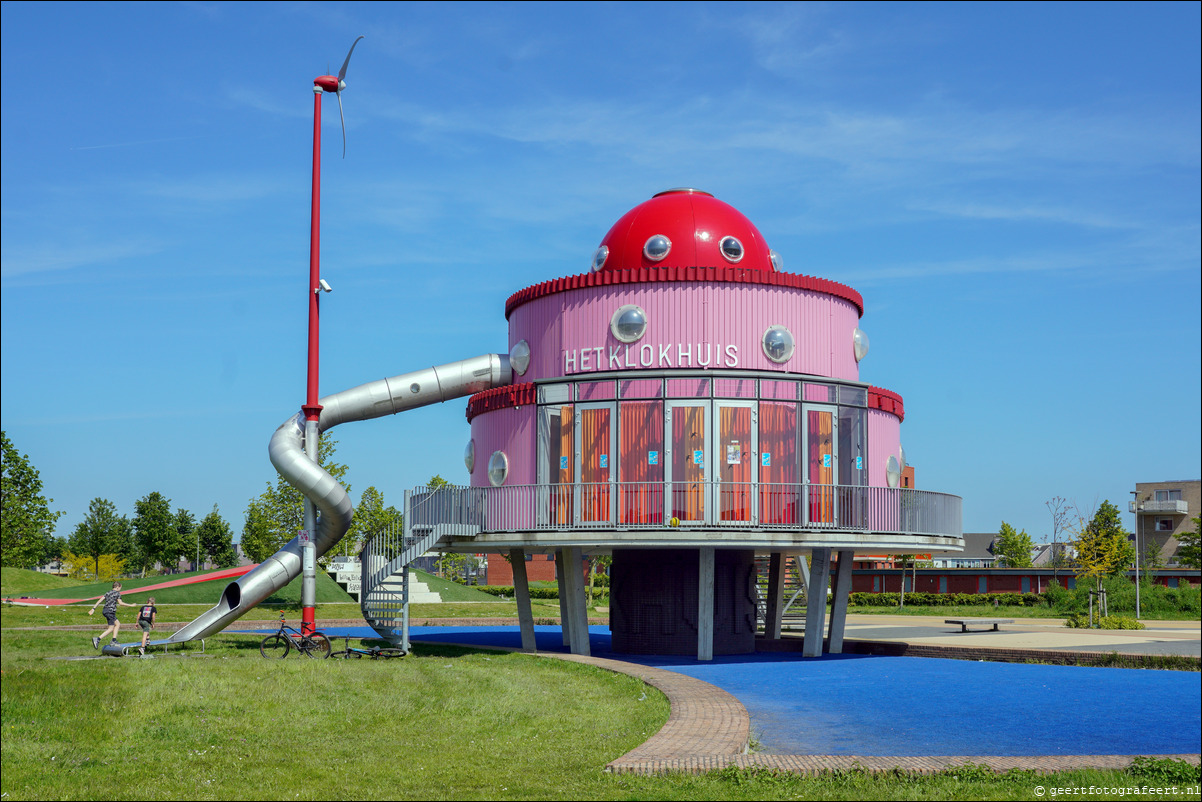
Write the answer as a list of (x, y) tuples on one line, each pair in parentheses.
[(657, 247), (498, 468), (778, 344), (469, 456), (599, 257), (519, 357), (629, 323), (859, 344), (893, 471), (732, 249), (777, 263)]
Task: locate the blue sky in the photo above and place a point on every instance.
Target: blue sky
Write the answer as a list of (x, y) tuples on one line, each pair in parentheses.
[(1014, 189)]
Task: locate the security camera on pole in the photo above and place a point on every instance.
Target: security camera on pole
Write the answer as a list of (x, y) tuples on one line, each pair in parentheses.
[(317, 285)]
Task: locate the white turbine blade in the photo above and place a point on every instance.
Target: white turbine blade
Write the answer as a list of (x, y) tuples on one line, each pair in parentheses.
[(342, 72), (343, 120)]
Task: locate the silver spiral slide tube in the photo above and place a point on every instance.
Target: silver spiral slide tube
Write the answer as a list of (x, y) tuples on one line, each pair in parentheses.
[(287, 452)]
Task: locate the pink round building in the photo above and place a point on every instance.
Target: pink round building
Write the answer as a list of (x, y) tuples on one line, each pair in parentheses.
[(685, 406)]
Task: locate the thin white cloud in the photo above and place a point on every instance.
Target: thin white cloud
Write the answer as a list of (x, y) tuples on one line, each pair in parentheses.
[(53, 257)]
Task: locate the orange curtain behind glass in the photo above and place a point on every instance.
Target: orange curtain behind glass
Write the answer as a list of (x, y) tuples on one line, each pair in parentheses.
[(688, 463), (821, 465), (779, 466), (641, 466), (734, 461), (594, 464), (563, 464)]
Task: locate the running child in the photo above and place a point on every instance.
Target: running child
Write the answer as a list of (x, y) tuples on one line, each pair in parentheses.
[(146, 621), (110, 600)]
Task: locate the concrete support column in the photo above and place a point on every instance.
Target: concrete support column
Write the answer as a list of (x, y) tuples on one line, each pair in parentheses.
[(820, 574), (705, 604), (774, 608), (576, 605), (842, 590), (565, 625), (521, 594)]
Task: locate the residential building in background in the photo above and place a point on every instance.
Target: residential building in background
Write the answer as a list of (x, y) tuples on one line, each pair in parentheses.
[(1163, 511)]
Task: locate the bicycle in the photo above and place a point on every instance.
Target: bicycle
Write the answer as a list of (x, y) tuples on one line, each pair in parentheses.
[(288, 638), (373, 652)]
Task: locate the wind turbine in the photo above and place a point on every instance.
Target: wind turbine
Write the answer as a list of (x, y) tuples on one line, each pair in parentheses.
[(312, 409)]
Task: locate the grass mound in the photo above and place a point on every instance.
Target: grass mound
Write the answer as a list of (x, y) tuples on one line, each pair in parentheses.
[(23, 582), (328, 591)]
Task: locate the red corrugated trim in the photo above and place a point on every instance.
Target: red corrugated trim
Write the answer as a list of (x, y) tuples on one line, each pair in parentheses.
[(512, 395), (645, 276), (886, 401), (517, 395)]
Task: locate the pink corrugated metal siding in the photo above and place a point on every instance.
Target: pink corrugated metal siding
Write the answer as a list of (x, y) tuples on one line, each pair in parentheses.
[(689, 325), (884, 439), (512, 431)]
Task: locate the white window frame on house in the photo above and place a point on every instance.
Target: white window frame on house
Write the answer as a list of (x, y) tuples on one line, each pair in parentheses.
[(1164, 524)]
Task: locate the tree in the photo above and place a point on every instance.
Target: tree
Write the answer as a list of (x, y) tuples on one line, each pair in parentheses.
[(1189, 546), (1012, 548), (1102, 545), (371, 518), (102, 531), (217, 540), (27, 522), (81, 566), (1061, 515), (278, 515), (189, 544), (155, 532)]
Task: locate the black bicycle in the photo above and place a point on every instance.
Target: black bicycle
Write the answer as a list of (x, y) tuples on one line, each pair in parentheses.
[(288, 638), (372, 652)]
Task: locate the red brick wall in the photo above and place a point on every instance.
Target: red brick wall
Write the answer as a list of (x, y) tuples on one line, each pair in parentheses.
[(539, 568)]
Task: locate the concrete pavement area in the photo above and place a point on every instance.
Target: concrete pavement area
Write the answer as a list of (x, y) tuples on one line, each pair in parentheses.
[(1045, 634)]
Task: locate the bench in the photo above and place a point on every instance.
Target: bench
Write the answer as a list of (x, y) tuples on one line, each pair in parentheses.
[(964, 622)]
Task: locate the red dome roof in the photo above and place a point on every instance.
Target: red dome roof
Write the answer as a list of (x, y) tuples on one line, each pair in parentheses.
[(699, 228)]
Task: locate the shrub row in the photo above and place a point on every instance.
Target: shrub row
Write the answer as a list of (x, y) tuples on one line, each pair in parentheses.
[(948, 599), (507, 591), (1080, 621)]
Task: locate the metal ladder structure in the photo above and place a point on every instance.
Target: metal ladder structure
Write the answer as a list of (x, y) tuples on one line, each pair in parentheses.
[(434, 518)]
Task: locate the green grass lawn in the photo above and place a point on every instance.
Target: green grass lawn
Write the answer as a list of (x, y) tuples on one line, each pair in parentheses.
[(443, 723)]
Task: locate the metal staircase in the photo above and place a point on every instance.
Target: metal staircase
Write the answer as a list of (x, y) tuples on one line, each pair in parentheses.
[(794, 602), (434, 518)]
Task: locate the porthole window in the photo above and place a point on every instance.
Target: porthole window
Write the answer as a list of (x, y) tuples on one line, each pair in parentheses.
[(777, 263), (469, 456), (732, 249), (519, 357), (599, 257), (657, 247), (778, 343), (859, 344), (629, 323), (893, 471), (498, 468)]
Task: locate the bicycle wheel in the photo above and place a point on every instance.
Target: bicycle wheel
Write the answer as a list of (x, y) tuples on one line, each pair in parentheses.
[(349, 654), (387, 653), (276, 646), (316, 645)]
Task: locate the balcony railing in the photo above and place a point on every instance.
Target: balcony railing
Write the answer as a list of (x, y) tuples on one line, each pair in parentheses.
[(702, 505), (1172, 507)]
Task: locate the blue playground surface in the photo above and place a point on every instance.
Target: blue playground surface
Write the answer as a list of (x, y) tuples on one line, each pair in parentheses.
[(917, 706)]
